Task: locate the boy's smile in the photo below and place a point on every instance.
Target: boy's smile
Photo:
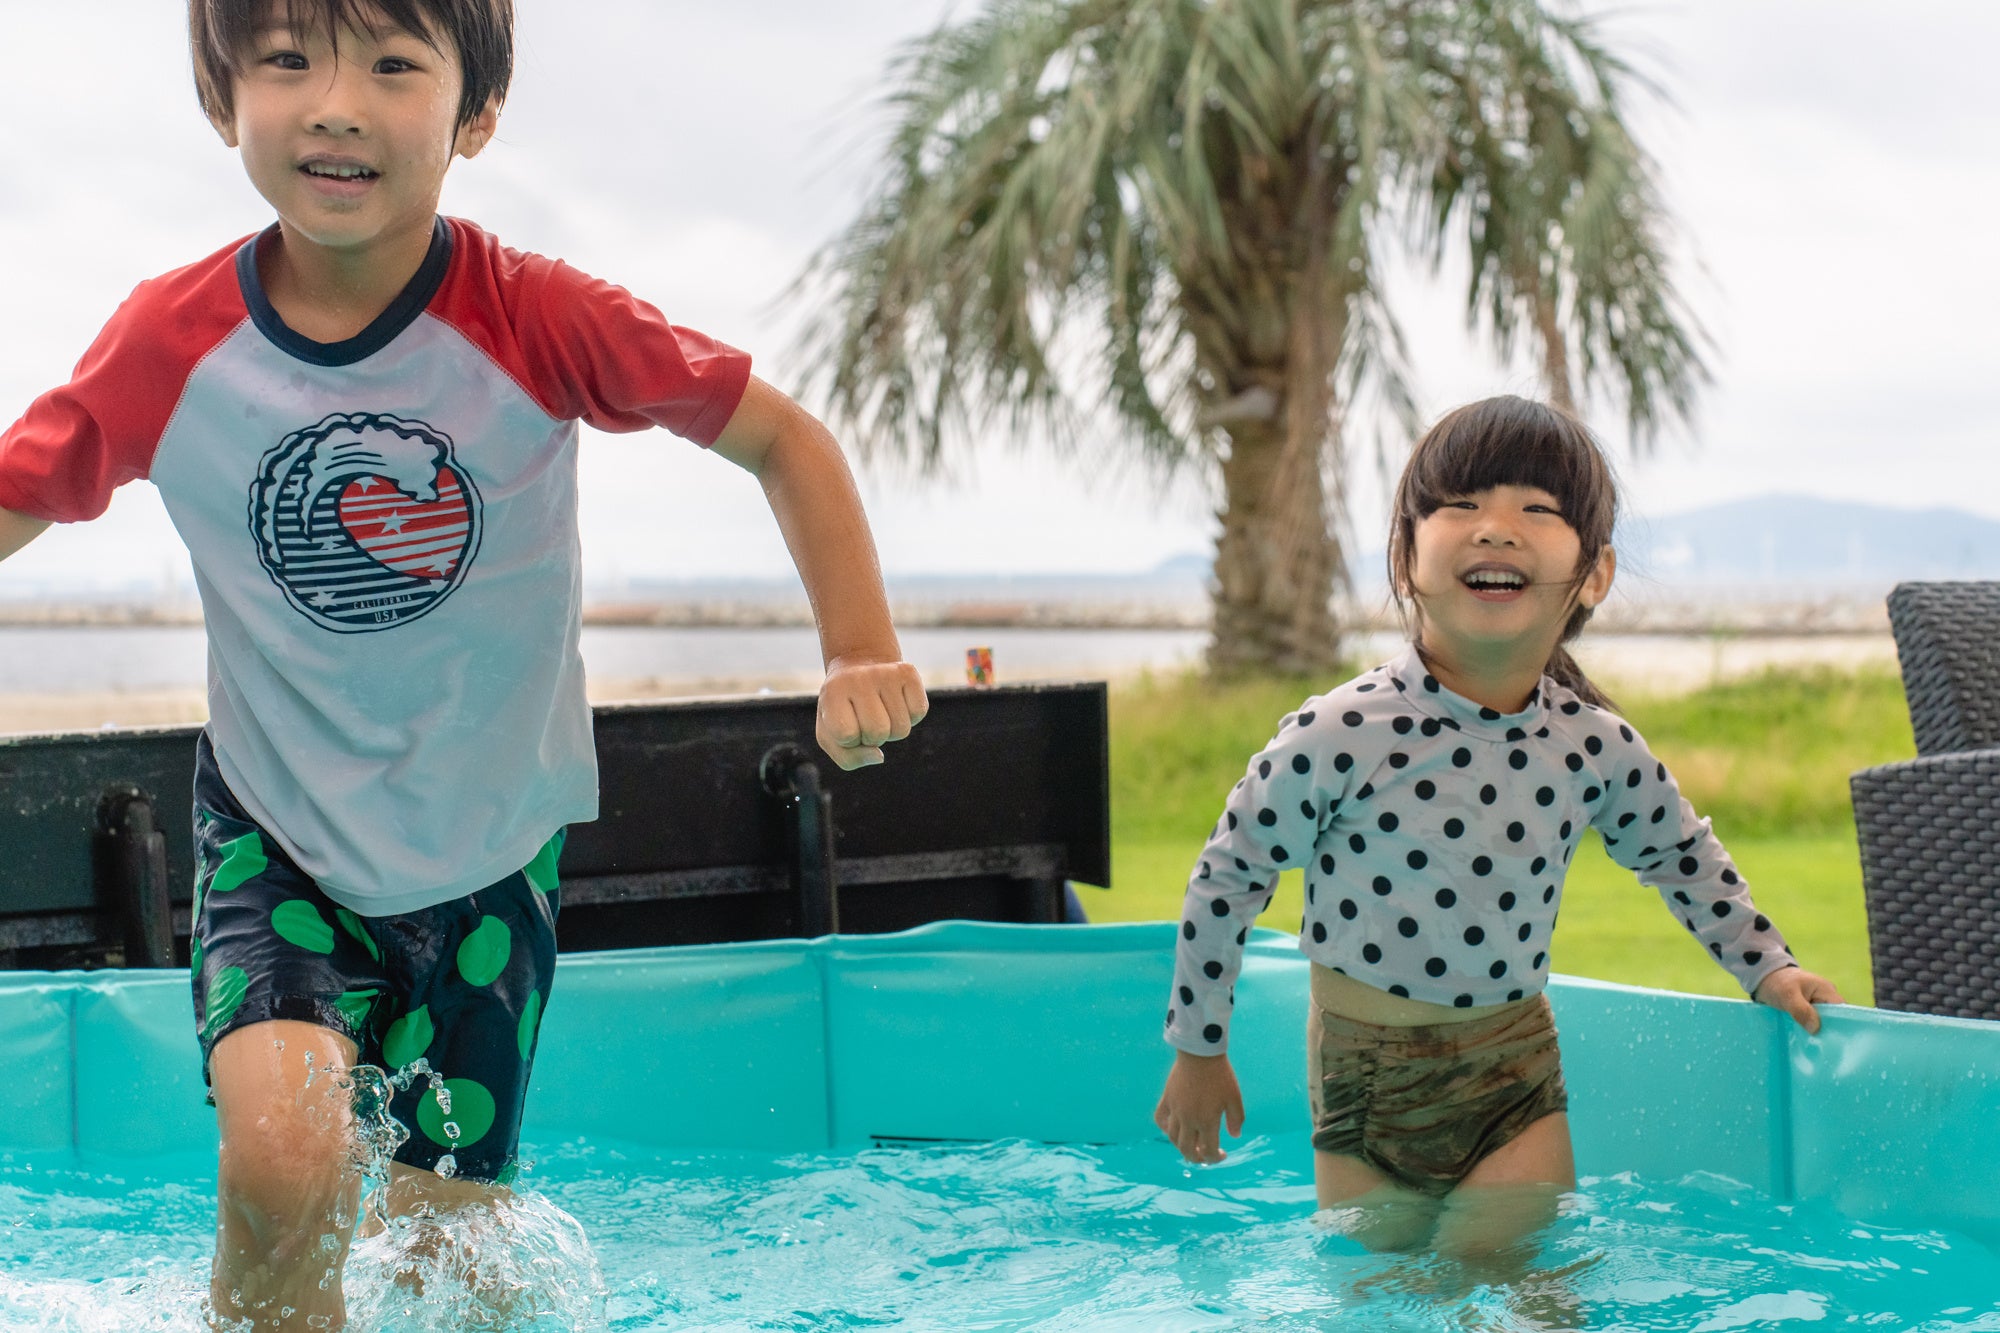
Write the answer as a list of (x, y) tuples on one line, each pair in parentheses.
[(349, 140)]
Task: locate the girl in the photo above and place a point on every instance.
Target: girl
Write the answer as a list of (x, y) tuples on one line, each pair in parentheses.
[(1434, 803)]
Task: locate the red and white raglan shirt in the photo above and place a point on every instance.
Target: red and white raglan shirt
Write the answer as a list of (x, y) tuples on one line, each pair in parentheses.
[(384, 535)]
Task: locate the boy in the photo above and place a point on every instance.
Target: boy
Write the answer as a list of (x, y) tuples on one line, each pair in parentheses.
[(362, 422)]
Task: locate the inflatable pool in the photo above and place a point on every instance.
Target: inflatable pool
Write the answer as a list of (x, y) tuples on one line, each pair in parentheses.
[(951, 1128)]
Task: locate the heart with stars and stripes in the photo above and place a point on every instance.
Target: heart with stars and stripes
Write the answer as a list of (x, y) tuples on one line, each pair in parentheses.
[(424, 539)]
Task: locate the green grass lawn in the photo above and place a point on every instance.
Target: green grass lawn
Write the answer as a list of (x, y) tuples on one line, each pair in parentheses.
[(1766, 757)]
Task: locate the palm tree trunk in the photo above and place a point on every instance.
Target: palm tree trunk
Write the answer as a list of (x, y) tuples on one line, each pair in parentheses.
[(1555, 354), (1273, 597)]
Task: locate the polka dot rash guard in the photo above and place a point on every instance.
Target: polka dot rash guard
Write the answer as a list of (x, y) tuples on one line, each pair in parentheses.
[(1434, 834)]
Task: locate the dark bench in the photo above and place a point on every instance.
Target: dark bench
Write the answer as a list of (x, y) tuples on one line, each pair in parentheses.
[(709, 828), (1929, 828)]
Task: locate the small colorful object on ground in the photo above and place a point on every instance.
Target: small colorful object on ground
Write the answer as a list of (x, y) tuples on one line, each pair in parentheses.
[(978, 666)]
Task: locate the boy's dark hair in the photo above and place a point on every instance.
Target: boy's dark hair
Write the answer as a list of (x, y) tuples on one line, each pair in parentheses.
[(1510, 441), (481, 31)]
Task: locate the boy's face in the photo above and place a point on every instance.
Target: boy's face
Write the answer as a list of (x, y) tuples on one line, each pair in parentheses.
[(350, 143)]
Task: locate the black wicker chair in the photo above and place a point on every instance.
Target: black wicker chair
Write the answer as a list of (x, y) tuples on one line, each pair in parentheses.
[(1930, 828)]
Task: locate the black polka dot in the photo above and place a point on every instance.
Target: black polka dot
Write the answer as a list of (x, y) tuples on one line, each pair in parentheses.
[(1170, 1018), (1434, 966), (1515, 994), (1715, 949), (1242, 864), (1762, 922), (1720, 909), (1301, 764), (1454, 828), (1545, 796), (1728, 876), (1683, 899), (1212, 970), (1540, 958), (1572, 708), (1367, 790), (1446, 899), (1267, 817), (1463, 1002), (1280, 854), (1306, 810), (1574, 761), (1401, 991), (1408, 927), (1488, 794), (1430, 683), (1399, 760), (1430, 726), (1243, 934), (1370, 954), (1564, 831), (1364, 687), (1753, 956), (1319, 932), (1507, 902), (1516, 831), (1213, 1032), (1402, 726), (1417, 860), (1517, 760), (1219, 907), (1306, 719), (1625, 820), (1632, 778), (1232, 818), (1348, 910), (1475, 935), (1387, 822), (1383, 888), (1326, 863), (1264, 769), (1461, 757), (1187, 995), (1590, 794), (1489, 714), (1535, 867), (1352, 719), (1548, 892), (1343, 761), (1516, 734), (1426, 789), (1482, 865), (1497, 971), (1689, 865), (1187, 930), (1312, 892), (1356, 843), (1527, 929), (1594, 745), (1659, 813), (1625, 733)]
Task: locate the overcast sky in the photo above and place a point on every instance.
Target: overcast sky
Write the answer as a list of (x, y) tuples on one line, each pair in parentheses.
[(1832, 169)]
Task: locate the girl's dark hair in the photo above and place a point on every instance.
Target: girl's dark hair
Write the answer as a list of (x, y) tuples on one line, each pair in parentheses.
[(481, 32), (1510, 441)]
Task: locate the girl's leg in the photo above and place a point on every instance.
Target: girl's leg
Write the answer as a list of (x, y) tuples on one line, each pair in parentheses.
[(1511, 1194), (1388, 1217), (286, 1193)]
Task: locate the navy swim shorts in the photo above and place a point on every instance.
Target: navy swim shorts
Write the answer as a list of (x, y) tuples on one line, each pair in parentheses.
[(461, 985)]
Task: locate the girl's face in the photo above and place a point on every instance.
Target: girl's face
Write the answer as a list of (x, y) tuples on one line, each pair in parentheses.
[(1495, 569)]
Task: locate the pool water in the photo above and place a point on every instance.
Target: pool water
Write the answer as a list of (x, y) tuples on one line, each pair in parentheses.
[(1011, 1236)]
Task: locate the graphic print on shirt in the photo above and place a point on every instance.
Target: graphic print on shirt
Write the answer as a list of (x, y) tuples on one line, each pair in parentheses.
[(365, 520)]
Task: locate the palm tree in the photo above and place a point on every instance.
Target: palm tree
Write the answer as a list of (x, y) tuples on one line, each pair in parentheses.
[(1167, 216)]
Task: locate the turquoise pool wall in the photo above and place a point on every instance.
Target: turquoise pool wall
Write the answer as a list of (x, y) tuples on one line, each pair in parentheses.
[(975, 1031)]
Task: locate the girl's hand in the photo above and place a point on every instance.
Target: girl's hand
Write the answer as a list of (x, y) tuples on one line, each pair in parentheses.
[(1201, 1090), (1796, 991)]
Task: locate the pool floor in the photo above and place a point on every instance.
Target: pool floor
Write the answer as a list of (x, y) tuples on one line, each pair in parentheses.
[(1013, 1236)]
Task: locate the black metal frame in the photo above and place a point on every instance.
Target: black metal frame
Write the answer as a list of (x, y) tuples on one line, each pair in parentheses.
[(716, 824)]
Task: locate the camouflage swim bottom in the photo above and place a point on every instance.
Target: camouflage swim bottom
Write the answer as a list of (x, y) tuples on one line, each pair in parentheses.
[(461, 985), (1424, 1105)]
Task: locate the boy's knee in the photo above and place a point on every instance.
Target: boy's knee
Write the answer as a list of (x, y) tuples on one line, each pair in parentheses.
[(274, 1170)]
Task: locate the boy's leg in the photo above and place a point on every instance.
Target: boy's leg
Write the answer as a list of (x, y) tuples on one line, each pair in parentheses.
[(286, 1189)]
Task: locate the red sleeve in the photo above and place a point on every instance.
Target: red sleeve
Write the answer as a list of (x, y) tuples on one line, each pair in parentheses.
[(78, 443), (585, 349)]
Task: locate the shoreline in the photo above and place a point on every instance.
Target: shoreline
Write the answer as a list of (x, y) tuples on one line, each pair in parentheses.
[(1634, 664)]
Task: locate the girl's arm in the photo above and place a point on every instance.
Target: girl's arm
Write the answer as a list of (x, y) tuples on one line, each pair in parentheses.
[(17, 530), (1650, 828)]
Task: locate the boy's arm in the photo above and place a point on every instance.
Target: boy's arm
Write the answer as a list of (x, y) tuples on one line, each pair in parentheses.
[(871, 696), (17, 530)]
